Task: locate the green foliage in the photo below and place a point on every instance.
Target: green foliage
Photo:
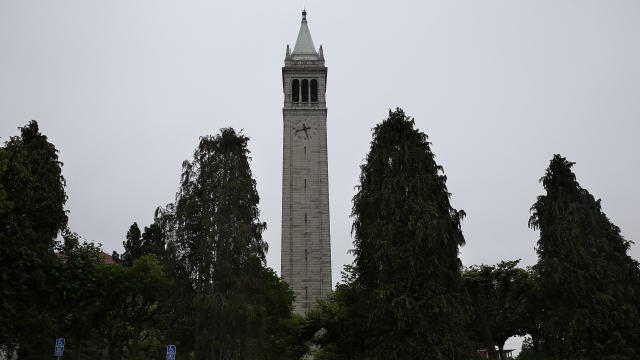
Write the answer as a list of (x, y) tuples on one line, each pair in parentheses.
[(407, 237), (232, 306), (5, 204), (498, 302), (32, 199), (281, 337), (137, 244), (132, 246), (219, 241), (113, 307), (78, 296), (334, 324), (133, 310), (153, 241), (195, 277), (589, 286)]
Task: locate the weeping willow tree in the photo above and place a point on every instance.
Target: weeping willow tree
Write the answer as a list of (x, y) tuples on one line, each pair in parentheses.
[(589, 286), (407, 238)]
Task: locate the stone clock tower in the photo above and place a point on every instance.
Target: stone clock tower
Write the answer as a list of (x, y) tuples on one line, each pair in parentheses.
[(306, 249)]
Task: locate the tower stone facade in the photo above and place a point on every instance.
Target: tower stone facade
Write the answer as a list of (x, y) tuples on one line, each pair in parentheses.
[(306, 247)]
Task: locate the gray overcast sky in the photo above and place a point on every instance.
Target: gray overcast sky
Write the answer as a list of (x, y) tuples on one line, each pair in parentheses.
[(125, 88)]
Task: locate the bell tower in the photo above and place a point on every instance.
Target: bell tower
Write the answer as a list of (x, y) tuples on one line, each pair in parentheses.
[(306, 247)]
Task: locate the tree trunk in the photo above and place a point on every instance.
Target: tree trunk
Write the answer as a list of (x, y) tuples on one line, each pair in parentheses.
[(134, 343), (76, 353), (110, 351), (196, 330), (501, 350)]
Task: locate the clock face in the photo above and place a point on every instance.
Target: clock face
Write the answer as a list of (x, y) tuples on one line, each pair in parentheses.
[(304, 129)]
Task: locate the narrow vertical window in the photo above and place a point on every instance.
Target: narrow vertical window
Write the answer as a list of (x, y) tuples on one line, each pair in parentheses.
[(305, 152), (305, 255), (295, 90), (305, 90), (314, 90), (305, 184), (305, 218)]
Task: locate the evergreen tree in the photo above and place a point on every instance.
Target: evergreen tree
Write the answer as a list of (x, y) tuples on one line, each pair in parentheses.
[(133, 248), (32, 199), (219, 241), (149, 242), (407, 237), (590, 287), (153, 241)]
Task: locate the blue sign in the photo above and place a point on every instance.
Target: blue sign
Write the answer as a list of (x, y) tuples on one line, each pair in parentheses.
[(59, 347), (171, 352)]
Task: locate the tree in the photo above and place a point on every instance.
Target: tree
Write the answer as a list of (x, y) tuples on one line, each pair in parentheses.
[(218, 239), (32, 199), (134, 311), (281, 337), (498, 300), (78, 296), (334, 324), (153, 241), (5, 204), (407, 237), (590, 287), (133, 248), (138, 244)]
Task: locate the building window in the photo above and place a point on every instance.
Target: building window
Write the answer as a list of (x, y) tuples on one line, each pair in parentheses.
[(305, 90), (314, 90), (295, 90), (305, 218)]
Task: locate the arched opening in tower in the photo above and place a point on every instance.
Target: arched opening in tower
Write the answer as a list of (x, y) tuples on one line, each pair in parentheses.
[(295, 90), (314, 90), (305, 90)]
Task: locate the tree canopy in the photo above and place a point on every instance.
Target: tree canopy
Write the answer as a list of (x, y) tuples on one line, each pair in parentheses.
[(32, 199), (406, 242), (498, 299), (197, 277), (589, 286)]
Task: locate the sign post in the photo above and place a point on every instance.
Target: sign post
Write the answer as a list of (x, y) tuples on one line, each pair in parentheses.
[(171, 352), (59, 348)]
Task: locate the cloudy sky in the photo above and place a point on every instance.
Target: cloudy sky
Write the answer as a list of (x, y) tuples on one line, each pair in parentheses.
[(125, 88)]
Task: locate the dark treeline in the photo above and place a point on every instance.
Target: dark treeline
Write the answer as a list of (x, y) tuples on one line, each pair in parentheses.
[(406, 296), (196, 277)]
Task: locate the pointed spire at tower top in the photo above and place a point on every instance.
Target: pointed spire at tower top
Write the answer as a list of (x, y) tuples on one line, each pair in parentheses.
[(304, 43)]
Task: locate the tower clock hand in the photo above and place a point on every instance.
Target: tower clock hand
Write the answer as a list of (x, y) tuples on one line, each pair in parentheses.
[(305, 128)]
